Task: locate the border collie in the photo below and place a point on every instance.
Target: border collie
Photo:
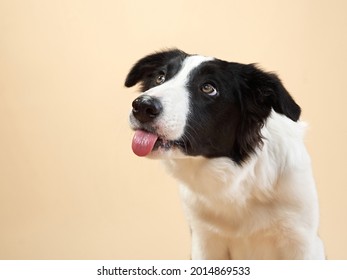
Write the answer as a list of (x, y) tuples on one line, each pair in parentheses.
[(230, 134)]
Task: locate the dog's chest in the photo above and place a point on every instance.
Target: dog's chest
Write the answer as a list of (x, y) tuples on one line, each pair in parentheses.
[(222, 197)]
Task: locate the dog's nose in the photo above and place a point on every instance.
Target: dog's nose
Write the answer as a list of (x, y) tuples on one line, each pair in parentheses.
[(146, 108)]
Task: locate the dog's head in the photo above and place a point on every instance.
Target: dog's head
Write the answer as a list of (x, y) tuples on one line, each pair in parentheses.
[(201, 106)]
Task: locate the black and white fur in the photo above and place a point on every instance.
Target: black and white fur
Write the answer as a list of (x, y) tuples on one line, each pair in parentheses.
[(230, 134)]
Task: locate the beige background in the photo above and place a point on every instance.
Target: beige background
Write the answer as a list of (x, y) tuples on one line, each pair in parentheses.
[(70, 187)]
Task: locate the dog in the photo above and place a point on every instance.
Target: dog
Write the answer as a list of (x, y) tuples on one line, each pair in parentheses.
[(230, 134)]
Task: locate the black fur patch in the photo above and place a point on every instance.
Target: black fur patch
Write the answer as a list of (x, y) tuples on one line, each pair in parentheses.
[(146, 69)]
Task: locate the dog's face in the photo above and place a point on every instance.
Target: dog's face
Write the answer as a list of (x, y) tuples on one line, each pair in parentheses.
[(193, 105)]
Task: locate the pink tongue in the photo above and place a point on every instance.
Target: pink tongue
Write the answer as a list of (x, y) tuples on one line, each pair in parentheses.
[(143, 142)]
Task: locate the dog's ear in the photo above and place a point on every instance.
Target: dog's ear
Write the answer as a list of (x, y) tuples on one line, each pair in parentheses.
[(258, 92), (145, 65), (148, 64), (268, 90)]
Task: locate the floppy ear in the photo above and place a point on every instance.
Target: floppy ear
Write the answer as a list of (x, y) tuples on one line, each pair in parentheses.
[(258, 93), (143, 66), (271, 92), (149, 64)]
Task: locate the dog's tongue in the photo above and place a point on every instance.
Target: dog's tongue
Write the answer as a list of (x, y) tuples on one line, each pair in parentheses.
[(143, 142)]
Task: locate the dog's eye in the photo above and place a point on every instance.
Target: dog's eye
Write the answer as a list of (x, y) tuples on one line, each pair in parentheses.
[(160, 79), (208, 89)]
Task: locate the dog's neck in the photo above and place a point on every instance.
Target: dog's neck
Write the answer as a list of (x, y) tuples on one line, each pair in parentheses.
[(206, 176)]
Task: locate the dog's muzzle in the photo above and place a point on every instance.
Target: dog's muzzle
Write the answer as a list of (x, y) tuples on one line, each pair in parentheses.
[(147, 138)]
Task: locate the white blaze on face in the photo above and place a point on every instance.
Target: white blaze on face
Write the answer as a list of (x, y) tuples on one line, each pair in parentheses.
[(174, 97)]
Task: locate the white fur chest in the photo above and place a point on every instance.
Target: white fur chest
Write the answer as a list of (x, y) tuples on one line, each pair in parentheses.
[(231, 200), (219, 196)]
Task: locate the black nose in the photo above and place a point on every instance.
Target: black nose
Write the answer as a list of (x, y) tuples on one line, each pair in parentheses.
[(146, 108)]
